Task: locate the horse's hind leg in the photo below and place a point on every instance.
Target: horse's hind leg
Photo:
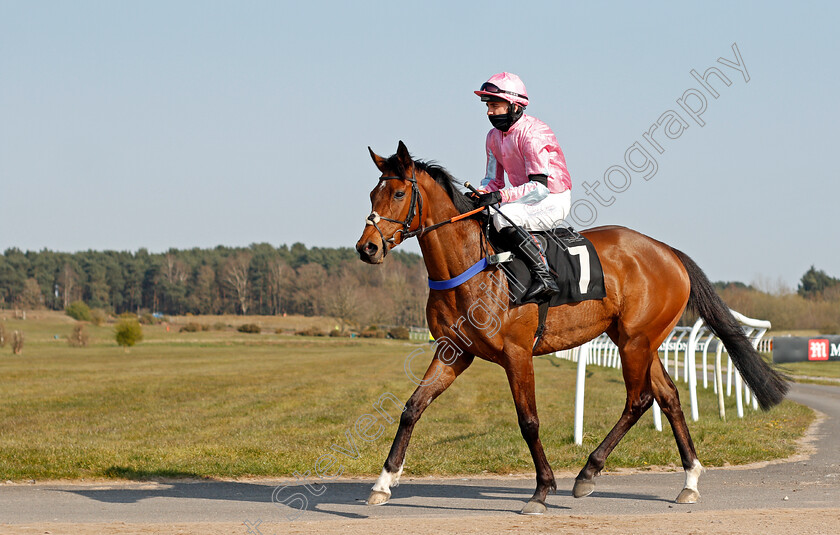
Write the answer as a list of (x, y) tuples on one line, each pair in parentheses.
[(635, 365), (438, 377), (669, 399)]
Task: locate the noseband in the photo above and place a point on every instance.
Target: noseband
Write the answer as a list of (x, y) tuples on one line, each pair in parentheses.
[(414, 208)]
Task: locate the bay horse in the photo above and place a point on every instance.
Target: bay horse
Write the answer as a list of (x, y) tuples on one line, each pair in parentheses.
[(648, 285)]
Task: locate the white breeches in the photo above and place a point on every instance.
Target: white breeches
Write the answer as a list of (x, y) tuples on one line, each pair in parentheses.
[(542, 215)]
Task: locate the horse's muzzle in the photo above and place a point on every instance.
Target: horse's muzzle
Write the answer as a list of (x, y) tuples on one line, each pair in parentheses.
[(369, 252)]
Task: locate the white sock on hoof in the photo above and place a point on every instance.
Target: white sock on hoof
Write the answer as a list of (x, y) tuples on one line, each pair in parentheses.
[(692, 475), (396, 481), (387, 480)]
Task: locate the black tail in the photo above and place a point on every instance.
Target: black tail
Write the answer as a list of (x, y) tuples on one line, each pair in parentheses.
[(768, 385)]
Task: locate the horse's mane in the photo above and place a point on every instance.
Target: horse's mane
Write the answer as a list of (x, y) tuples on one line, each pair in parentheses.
[(462, 202)]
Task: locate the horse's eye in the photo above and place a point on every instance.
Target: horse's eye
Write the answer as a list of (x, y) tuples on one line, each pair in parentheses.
[(399, 195)]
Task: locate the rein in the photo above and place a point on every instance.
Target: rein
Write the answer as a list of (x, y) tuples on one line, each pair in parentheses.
[(416, 209)]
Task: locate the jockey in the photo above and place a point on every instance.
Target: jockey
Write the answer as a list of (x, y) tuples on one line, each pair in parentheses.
[(539, 195)]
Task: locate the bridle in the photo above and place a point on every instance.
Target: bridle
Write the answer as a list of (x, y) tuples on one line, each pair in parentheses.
[(415, 207)]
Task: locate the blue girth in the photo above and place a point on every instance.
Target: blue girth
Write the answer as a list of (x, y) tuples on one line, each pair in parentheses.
[(471, 272)]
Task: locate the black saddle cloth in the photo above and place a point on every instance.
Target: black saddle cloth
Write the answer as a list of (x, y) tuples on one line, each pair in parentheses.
[(572, 261)]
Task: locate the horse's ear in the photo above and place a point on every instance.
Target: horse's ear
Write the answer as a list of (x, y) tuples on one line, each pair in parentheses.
[(404, 156), (378, 160)]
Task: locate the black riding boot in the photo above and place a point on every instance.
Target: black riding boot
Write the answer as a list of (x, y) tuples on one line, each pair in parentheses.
[(543, 286)]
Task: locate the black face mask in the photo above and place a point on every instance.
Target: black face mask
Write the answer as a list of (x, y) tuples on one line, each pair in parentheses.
[(504, 121)]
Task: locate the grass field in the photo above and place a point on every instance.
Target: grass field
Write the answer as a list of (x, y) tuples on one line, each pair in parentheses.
[(227, 404), (830, 369)]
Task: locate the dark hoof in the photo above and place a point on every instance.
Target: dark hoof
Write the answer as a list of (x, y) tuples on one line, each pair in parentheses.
[(583, 487), (688, 496), (533, 508)]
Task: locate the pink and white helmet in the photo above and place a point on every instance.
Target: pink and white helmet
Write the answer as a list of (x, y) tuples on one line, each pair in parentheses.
[(506, 86)]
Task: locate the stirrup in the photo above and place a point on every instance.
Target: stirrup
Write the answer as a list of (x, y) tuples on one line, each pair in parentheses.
[(549, 288), (500, 258)]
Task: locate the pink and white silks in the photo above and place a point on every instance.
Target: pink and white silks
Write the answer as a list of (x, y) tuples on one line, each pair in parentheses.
[(528, 148)]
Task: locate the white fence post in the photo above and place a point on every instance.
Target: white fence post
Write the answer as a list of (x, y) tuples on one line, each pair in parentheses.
[(657, 416), (705, 364), (729, 369), (583, 356), (691, 368), (677, 358), (719, 382)]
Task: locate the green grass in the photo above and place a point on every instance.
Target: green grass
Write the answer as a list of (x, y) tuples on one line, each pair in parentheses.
[(227, 404), (829, 369)]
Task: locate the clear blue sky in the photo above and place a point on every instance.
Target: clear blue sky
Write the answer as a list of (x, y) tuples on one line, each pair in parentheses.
[(184, 124)]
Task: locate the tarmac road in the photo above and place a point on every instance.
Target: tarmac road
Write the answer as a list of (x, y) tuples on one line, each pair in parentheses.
[(812, 483)]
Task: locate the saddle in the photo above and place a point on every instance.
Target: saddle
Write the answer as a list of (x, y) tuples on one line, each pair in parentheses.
[(572, 261)]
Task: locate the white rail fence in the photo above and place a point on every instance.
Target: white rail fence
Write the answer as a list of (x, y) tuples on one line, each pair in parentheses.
[(685, 341)]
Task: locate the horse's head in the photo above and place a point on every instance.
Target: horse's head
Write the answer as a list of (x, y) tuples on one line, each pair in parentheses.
[(396, 206)]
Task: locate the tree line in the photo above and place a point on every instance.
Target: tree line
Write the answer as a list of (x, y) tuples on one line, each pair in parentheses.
[(259, 279), (814, 305), (267, 280)]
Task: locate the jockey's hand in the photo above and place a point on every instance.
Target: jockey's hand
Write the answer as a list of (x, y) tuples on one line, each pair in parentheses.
[(486, 199)]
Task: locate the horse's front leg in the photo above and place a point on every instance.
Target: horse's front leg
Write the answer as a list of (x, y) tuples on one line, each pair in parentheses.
[(438, 377), (520, 373)]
